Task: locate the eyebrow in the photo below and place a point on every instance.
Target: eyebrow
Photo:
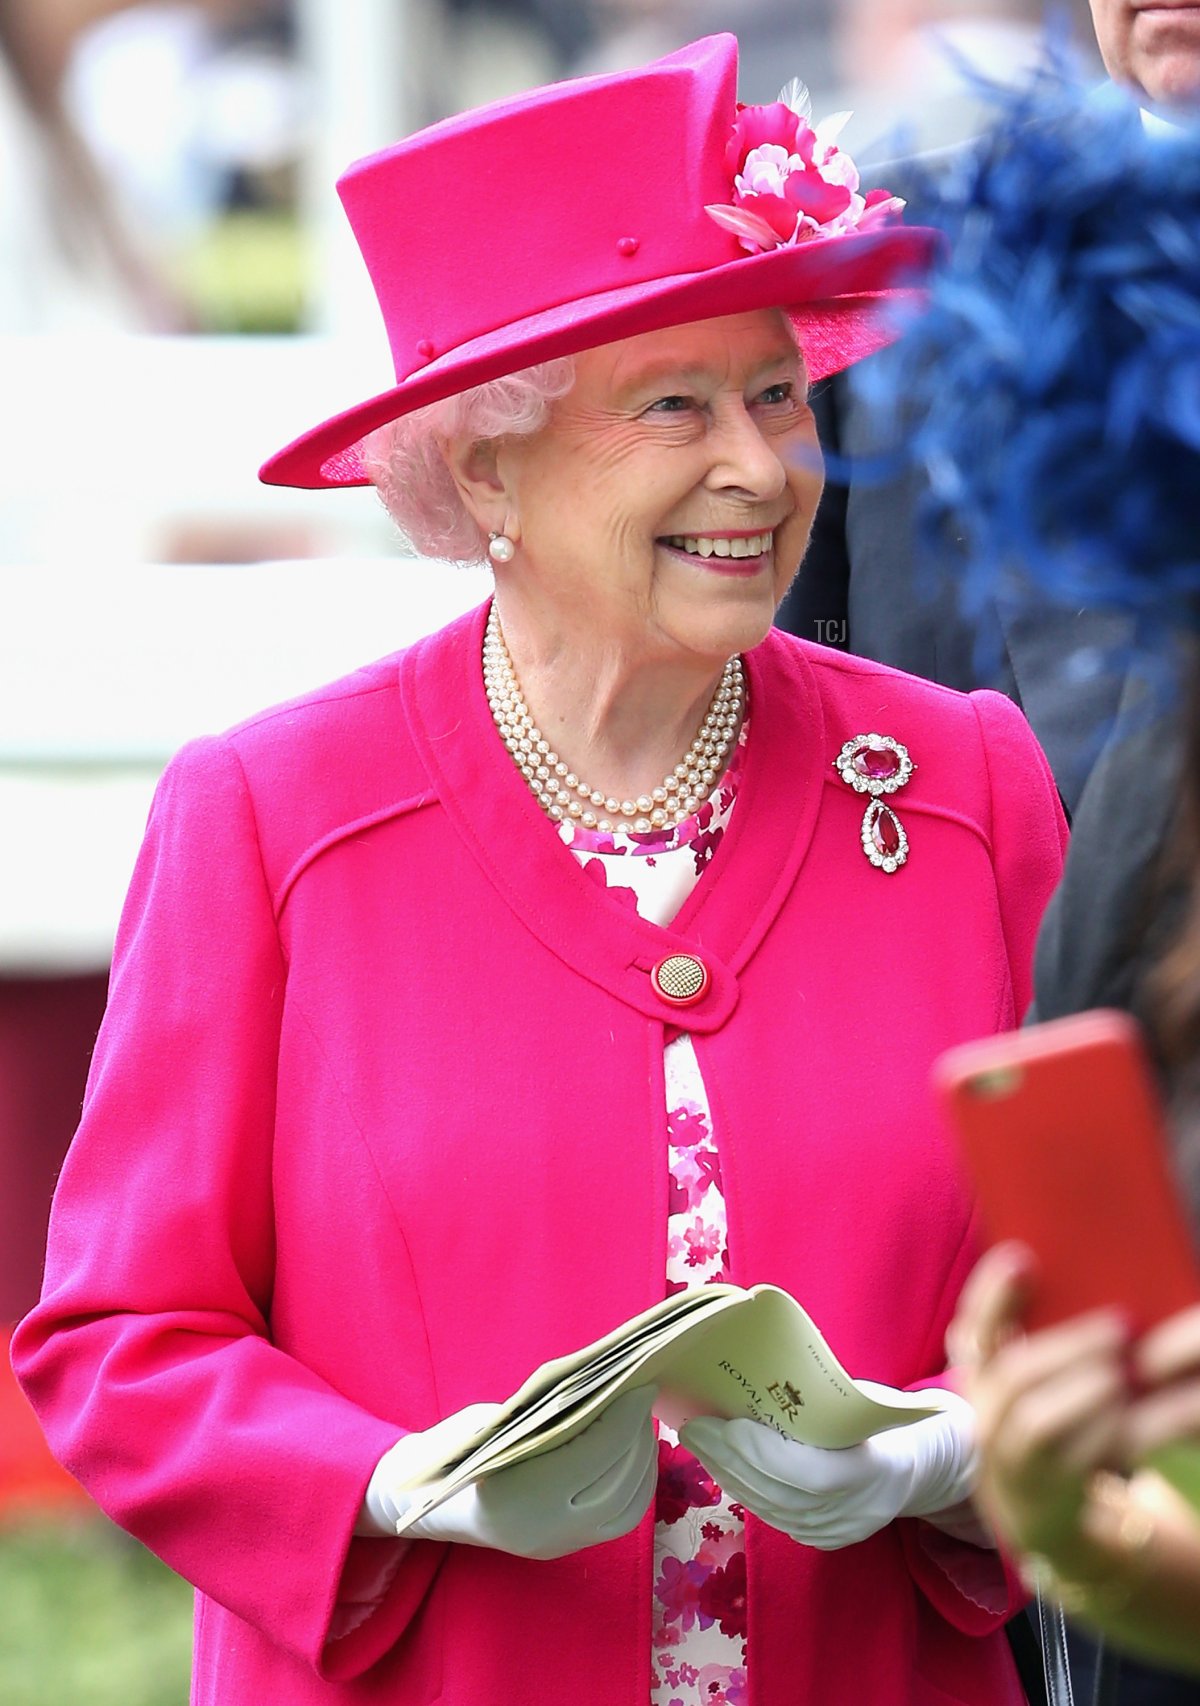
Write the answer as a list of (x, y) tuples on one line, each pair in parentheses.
[(654, 372)]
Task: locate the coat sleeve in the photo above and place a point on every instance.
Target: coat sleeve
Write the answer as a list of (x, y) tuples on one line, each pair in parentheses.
[(1028, 833), (972, 1588), (1113, 915), (149, 1357)]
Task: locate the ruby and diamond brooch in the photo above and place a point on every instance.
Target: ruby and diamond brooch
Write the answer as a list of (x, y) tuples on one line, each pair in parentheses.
[(877, 765)]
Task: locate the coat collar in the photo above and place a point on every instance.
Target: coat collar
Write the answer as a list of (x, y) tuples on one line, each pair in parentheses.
[(752, 872)]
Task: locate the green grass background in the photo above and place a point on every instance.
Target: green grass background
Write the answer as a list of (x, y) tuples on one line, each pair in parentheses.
[(89, 1618)]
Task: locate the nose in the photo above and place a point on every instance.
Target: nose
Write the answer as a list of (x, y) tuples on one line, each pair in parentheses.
[(744, 460)]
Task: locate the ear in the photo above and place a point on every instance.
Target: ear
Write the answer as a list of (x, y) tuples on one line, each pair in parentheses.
[(483, 484)]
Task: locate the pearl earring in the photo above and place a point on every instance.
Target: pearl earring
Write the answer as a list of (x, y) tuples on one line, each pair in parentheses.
[(501, 548)]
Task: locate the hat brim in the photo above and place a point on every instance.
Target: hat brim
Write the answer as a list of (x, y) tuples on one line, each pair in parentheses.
[(838, 292)]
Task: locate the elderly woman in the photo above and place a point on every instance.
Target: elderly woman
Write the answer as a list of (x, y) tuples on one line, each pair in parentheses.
[(594, 947)]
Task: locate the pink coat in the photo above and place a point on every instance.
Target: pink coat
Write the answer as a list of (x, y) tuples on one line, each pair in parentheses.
[(376, 1124)]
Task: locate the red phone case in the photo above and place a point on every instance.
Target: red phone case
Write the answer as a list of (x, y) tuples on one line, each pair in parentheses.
[(1063, 1133)]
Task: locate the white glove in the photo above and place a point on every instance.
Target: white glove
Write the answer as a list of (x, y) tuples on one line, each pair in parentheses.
[(596, 1487), (830, 1499)]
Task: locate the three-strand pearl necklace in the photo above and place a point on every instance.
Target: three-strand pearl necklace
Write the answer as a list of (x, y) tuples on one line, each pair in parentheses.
[(562, 794)]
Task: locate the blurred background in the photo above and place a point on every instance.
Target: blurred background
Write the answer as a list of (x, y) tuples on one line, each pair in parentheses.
[(179, 297)]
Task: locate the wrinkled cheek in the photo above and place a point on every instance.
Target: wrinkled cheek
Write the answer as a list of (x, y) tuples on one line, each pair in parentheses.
[(787, 565), (792, 543), (808, 482), (806, 467)]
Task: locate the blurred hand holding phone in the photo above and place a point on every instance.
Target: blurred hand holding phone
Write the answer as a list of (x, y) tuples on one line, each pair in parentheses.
[(1063, 1133)]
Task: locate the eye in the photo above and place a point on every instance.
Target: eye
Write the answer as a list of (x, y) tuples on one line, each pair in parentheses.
[(774, 395), (673, 405)]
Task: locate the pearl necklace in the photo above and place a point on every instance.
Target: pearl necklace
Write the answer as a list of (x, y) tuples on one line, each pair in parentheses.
[(561, 794)]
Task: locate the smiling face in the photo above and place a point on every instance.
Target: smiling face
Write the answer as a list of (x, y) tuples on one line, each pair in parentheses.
[(666, 505), (1152, 46)]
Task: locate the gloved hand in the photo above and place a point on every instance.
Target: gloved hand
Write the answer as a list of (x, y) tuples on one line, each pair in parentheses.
[(596, 1487), (830, 1499)]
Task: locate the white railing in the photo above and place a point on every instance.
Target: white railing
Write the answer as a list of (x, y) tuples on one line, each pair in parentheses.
[(104, 673)]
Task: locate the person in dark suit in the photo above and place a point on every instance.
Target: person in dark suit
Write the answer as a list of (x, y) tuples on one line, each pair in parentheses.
[(866, 586)]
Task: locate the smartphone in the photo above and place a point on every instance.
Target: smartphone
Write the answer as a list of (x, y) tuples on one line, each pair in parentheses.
[(1064, 1135)]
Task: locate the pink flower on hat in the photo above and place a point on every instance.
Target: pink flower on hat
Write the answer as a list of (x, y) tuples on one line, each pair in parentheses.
[(791, 181), (776, 124)]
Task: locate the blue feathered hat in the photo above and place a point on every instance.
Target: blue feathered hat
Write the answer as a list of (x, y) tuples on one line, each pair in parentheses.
[(1052, 388)]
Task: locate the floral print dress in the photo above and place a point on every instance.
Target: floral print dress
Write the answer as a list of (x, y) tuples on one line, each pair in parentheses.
[(699, 1611)]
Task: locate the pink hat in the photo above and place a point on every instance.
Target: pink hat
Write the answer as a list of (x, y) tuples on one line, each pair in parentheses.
[(595, 209)]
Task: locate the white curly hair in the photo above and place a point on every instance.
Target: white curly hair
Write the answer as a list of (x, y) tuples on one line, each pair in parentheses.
[(406, 463)]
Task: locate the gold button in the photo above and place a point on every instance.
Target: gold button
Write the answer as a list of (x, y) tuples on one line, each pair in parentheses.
[(681, 979)]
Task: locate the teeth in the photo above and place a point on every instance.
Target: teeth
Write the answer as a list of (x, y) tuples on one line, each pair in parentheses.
[(701, 546)]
